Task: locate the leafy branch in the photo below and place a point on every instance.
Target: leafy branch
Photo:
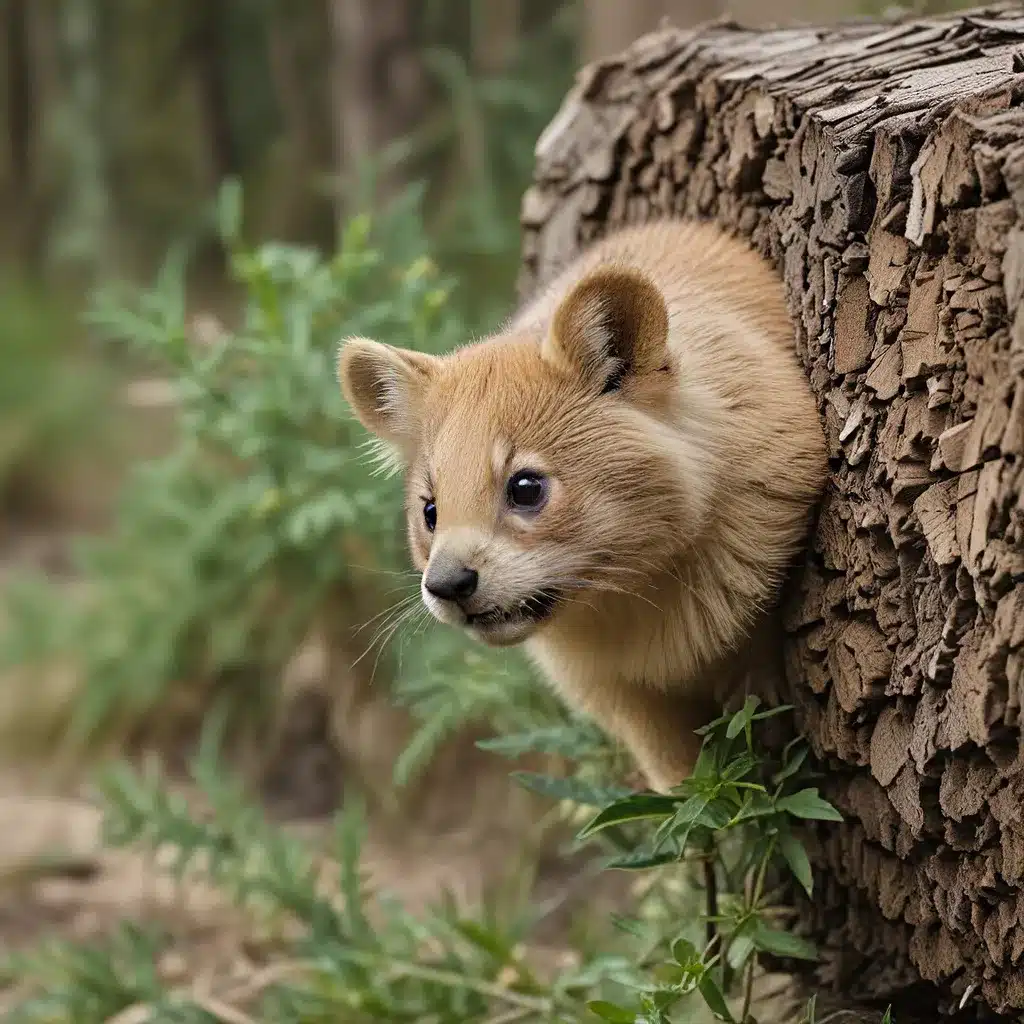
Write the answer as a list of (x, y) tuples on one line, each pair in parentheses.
[(734, 816)]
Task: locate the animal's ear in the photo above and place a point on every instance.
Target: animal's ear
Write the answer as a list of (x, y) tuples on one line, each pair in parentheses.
[(612, 325), (385, 388)]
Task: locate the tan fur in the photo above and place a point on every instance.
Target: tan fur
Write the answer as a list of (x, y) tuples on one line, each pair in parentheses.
[(676, 502)]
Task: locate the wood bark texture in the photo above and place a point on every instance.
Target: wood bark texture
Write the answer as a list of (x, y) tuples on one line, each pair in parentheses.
[(881, 168)]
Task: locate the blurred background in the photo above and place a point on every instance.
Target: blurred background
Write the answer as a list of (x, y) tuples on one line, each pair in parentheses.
[(197, 200)]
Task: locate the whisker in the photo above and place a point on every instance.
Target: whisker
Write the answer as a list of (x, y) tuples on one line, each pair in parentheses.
[(386, 630), (396, 606), (385, 572)]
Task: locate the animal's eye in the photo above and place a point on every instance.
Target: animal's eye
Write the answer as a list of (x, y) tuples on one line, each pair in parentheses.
[(430, 515), (526, 490)]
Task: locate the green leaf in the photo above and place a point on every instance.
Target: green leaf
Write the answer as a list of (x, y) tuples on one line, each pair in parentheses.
[(633, 808), (560, 740), (771, 712), (796, 857), (609, 1011), (740, 768), (712, 994), (691, 810), (887, 1019), (792, 766), (674, 830), (712, 726), (707, 762), (808, 804), (741, 945), (486, 940), (741, 719), (757, 805), (784, 944), (716, 815), (684, 952), (641, 860), (570, 789)]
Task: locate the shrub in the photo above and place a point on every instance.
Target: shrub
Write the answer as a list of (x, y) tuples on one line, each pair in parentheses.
[(50, 388), (265, 519), (352, 955)]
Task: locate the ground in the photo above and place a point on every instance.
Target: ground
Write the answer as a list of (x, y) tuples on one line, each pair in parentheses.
[(57, 881)]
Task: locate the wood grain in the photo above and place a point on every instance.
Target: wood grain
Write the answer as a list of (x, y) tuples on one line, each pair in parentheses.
[(881, 169)]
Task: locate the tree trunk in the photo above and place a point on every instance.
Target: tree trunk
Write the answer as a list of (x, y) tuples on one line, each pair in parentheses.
[(82, 236), (495, 26), (206, 47), (20, 105), (881, 169), (22, 118), (377, 83)]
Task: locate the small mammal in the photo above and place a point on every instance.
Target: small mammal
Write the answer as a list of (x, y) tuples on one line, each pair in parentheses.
[(618, 479)]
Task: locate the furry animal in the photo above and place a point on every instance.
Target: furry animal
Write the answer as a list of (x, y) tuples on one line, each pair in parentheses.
[(618, 479)]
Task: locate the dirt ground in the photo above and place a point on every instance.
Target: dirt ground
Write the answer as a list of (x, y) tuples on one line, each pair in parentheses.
[(57, 881)]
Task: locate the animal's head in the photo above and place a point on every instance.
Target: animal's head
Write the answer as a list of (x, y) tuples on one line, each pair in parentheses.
[(540, 466)]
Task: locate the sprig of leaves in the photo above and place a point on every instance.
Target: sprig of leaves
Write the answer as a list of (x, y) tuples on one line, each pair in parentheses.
[(736, 815), (266, 519), (362, 957), (357, 955)]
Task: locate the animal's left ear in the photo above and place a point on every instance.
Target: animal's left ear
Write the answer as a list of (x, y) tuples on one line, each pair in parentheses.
[(385, 388), (612, 325)]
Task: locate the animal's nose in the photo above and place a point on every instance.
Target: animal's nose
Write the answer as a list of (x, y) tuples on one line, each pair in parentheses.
[(451, 582)]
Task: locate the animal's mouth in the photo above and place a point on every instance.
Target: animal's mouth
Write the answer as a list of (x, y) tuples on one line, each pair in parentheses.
[(535, 608)]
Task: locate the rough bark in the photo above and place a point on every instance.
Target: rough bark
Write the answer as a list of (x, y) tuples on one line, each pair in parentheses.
[(881, 168)]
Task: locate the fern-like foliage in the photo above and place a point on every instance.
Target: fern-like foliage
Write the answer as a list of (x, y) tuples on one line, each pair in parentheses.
[(265, 518), (726, 837)]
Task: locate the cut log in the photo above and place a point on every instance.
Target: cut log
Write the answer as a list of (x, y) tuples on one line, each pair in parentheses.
[(881, 168)]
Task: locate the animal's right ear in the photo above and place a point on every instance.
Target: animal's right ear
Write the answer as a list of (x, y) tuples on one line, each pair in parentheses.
[(611, 328), (385, 387)]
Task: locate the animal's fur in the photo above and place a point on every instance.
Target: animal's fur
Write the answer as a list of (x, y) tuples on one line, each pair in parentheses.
[(654, 383)]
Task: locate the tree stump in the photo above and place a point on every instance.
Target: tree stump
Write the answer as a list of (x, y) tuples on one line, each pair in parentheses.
[(880, 166)]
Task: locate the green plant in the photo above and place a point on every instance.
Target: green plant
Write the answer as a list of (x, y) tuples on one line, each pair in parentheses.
[(733, 817), (353, 955), (51, 385), (265, 519)]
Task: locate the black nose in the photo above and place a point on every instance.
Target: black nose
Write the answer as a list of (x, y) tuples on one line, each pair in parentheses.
[(452, 583)]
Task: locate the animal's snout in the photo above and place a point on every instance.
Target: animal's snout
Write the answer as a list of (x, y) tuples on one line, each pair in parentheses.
[(451, 581)]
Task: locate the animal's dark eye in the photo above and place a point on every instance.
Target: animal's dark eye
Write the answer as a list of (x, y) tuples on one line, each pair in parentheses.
[(526, 490), (430, 515)]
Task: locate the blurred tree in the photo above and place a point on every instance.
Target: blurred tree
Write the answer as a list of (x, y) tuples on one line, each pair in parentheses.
[(295, 47), (20, 96), (81, 241), (25, 98), (206, 48), (495, 28), (377, 85)]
